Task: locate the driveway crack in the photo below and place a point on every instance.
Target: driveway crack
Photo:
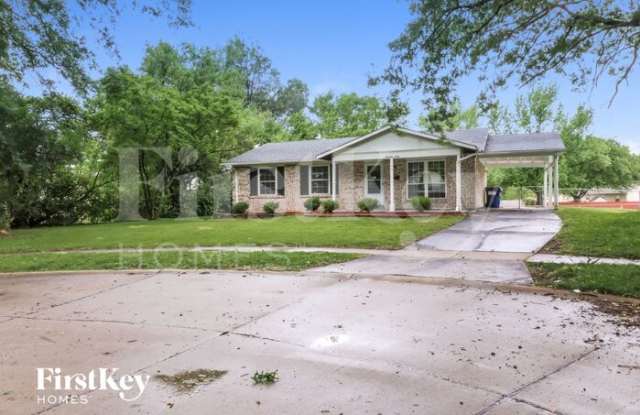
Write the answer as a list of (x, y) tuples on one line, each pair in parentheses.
[(512, 394)]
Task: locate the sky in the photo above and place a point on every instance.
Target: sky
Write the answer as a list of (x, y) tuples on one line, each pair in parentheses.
[(337, 45)]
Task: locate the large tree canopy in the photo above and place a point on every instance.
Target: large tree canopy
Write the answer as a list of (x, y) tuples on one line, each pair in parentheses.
[(36, 36), (504, 39)]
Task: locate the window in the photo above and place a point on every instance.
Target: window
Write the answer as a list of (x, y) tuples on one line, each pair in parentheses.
[(267, 181), (374, 179), (435, 180), (415, 178), (431, 184), (320, 179), (316, 180)]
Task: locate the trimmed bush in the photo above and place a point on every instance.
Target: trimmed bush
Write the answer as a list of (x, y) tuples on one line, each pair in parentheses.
[(328, 206), (421, 203), (312, 204), (240, 208), (368, 204), (270, 208)]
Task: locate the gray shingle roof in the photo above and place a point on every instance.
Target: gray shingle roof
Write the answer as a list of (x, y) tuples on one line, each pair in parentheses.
[(475, 136), (289, 151), (519, 143), (309, 150)]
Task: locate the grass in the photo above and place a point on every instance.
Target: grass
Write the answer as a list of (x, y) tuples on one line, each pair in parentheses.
[(289, 231), (623, 280), (276, 261), (598, 232), (265, 378)]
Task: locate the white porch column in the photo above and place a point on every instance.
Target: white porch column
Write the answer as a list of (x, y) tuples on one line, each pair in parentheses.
[(545, 188), (333, 178), (458, 183), (556, 181), (392, 193)]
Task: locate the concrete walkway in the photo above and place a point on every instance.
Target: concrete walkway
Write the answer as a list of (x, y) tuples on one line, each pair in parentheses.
[(489, 246), (571, 259)]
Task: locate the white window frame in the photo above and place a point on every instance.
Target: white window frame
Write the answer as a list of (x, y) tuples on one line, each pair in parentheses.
[(425, 163), (311, 166), (423, 178), (328, 179), (274, 170)]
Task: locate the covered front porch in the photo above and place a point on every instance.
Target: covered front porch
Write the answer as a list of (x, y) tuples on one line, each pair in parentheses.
[(395, 168)]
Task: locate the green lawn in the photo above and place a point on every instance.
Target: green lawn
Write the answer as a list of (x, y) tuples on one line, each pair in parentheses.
[(288, 230), (598, 232), (600, 278), (277, 261)]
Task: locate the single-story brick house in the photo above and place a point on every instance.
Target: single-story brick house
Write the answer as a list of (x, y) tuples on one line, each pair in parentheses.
[(451, 171)]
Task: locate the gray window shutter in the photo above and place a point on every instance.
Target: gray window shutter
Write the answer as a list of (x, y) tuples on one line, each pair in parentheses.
[(337, 179), (304, 180), (280, 180), (253, 182)]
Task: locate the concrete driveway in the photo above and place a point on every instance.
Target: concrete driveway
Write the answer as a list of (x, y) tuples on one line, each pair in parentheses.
[(486, 246), (524, 231), (340, 345)]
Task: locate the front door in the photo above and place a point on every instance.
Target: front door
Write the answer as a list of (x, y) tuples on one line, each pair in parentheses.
[(374, 186)]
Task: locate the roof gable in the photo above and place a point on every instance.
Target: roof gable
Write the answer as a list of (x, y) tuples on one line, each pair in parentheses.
[(400, 132)]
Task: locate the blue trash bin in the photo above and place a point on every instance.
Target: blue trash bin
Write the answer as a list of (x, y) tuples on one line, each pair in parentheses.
[(492, 197)]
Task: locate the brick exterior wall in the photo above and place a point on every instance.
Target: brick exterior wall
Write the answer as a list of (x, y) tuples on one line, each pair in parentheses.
[(352, 187)]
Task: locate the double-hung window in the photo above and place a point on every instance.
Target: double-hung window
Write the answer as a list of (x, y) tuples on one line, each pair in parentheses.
[(320, 179), (267, 181), (415, 183), (426, 178), (316, 180)]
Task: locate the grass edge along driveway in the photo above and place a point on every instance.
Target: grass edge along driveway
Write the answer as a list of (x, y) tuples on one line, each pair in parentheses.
[(295, 231), (78, 261), (622, 280), (612, 233)]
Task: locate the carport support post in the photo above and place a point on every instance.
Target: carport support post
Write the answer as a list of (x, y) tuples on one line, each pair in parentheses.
[(392, 193), (556, 181), (458, 183), (333, 178), (545, 189)]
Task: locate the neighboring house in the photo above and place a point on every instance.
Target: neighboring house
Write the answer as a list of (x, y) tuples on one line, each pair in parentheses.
[(451, 171), (628, 194)]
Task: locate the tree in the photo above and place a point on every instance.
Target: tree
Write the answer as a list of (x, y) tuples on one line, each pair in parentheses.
[(459, 119), (513, 39), (42, 143), (347, 114), (36, 36), (176, 132), (591, 162)]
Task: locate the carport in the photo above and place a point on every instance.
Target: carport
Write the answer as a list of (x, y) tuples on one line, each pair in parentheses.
[(541, 150)]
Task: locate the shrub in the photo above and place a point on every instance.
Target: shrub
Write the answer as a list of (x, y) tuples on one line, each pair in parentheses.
[(368, 204), (5, 219), (328, 206), (270, 208), (312, 204), (239, 209), (421, 203)]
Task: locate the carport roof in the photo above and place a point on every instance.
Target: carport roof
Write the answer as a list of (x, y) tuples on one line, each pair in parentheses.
[(524, 143)]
